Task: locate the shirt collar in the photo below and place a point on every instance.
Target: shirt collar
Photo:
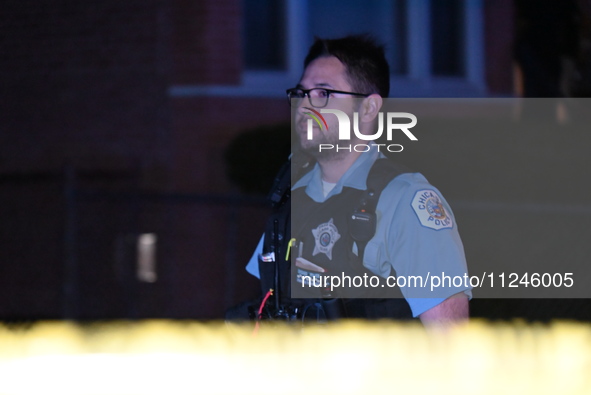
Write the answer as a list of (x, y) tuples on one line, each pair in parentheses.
[(354, 177)]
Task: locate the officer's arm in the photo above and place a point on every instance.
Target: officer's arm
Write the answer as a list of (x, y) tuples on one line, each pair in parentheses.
[(452, 310)]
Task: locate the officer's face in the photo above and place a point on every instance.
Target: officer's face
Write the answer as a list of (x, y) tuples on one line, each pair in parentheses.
[(329, 73)]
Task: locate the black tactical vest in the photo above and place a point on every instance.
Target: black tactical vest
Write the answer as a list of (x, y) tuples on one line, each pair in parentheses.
[(322, 244)]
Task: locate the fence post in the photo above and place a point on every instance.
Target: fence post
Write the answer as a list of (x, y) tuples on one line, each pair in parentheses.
[(70, 276)]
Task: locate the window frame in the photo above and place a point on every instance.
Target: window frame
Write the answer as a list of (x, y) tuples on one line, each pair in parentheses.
[(418, 82)]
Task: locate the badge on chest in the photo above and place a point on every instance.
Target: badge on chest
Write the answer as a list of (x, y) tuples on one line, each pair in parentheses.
[(325, 236)]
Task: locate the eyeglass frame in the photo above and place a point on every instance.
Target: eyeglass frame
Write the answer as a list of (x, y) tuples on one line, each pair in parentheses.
[(306, 92)]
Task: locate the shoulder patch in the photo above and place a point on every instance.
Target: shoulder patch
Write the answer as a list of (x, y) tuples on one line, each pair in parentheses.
[(429, 209)]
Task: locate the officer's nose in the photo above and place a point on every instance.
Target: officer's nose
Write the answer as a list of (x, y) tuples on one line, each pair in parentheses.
[(303, 103)]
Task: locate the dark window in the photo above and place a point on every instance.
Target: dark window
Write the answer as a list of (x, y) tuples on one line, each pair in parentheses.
[(399, 63), (264, 34), (447, 37), (385, 20)]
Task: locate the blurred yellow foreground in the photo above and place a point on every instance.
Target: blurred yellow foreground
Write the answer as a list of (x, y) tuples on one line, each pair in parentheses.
[(186, 357)]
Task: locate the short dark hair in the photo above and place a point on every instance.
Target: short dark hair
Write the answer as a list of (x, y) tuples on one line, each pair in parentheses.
[(364, 60)]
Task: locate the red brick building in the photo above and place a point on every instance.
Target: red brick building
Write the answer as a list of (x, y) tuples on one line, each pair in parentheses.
[(115, 117)]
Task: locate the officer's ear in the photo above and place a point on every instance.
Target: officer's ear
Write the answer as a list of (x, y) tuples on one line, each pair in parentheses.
[(370, 107)]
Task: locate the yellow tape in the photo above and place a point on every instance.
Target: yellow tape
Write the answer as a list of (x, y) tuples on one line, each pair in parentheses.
[(167, 357)]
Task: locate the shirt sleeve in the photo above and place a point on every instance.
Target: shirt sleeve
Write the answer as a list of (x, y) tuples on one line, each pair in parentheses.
[(252, 266), (418, 237)]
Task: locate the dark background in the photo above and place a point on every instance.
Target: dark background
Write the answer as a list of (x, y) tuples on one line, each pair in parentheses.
[(124, 118)]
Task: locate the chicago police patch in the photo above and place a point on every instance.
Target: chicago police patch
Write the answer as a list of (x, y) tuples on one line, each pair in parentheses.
[(430, 209), (325, 236)]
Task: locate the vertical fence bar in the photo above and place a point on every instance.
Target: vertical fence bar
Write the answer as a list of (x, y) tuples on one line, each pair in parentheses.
[(70, 274), (232, 240)]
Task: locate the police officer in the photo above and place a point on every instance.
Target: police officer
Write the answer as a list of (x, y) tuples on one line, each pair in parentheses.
[(311, 234)]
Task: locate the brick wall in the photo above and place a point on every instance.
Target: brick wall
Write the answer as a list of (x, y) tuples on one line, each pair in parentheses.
[(498, 44), (206, 42), (84, 85)]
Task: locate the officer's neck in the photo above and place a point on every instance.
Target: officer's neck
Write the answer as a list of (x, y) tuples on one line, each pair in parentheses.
[(332, 169)]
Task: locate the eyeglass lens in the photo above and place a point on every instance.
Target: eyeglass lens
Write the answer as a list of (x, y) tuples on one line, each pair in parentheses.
[(317, 97)]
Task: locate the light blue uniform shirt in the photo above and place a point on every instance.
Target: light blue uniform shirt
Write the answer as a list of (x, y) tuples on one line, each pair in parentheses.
[(416, 233)]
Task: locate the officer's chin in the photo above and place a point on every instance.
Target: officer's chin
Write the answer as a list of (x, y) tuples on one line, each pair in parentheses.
[(308, 147)]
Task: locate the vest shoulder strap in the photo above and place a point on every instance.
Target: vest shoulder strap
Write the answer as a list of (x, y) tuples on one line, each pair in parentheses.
[(382, 172), (288, 174), (362, 222)]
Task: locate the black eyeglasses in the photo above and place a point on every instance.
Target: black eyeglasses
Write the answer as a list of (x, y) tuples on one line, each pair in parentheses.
[(318, 96)]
